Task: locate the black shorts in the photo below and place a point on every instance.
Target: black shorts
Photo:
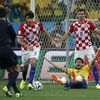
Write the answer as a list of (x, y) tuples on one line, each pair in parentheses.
[(7, 57)]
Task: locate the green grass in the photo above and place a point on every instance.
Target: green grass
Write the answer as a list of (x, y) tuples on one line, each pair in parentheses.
[(52, 91)]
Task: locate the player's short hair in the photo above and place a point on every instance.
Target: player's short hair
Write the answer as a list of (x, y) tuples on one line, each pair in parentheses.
[(3, 12), (29, 14), (79, 59), (81, 9)]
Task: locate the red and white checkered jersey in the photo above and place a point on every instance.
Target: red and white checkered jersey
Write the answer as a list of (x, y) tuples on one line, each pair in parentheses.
[(82, 33), (30, 33)]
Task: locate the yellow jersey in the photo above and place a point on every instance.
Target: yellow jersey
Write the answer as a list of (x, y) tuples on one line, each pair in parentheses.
[(84, 71)]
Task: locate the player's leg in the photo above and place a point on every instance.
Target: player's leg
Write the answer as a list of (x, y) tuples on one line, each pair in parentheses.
[(60, 81), (84, 84), (55, 78), (6, 89), (17, 92), (24, 66), (3, 66), (90, 54), (12, 80), (33, 58), (32, 73), (68, 82), (77, 85), (14, 71), (24, 73), (11, 60)]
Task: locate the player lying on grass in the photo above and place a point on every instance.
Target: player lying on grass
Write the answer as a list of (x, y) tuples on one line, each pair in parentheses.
[(79, 75)]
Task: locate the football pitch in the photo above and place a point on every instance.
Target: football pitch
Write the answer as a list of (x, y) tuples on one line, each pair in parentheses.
[(52, 91)]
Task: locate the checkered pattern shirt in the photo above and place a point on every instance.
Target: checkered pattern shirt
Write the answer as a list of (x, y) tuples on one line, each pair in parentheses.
[(82, 33), (30, 33)]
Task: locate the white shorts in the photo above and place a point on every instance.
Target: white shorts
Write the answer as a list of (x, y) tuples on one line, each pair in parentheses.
[(89, 53), (30, 54)]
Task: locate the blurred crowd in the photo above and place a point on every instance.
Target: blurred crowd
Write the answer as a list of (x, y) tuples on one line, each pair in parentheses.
[(50, 10), (92, 8), (56, 10), (16, 9)]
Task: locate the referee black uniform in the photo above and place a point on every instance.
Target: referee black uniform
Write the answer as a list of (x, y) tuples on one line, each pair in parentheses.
[(7, 37)]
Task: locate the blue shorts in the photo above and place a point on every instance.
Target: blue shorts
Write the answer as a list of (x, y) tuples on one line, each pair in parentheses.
[(78, 85), (7, 57)]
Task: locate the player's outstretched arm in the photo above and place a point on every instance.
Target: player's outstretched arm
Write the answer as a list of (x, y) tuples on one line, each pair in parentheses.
[(57, 66), (52, 41), (93, 61)]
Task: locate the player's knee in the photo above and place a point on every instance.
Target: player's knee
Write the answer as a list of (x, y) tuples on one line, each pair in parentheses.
[(33, 61), (17, 68)]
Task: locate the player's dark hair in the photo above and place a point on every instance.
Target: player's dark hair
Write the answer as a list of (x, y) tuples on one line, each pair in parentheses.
[(3, 12), (79, 59), (81, 9), (29, 14)]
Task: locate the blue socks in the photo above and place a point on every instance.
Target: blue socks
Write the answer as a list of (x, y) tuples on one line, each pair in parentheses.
[(32, 73), (96, 75)]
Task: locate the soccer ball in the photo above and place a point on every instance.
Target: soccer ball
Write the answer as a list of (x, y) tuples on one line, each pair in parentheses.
[(79, 78), (63, 79), (37, 85)]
